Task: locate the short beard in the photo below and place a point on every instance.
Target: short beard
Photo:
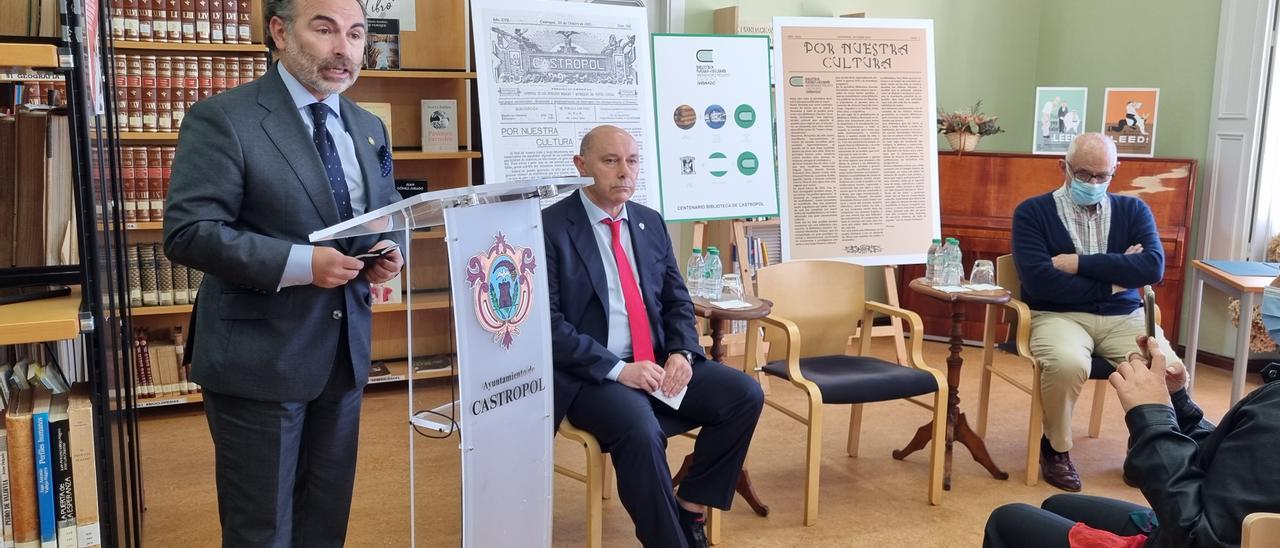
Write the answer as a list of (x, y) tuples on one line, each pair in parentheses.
[(306, 68)]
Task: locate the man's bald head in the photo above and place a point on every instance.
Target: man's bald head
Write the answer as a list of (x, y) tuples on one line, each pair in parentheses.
[(598, 133), (1092, 151)]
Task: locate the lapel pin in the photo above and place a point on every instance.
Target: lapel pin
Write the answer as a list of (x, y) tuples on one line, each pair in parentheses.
[(641, 226), (370, 140)]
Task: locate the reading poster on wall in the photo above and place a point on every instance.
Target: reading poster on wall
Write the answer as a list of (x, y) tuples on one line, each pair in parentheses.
[(1129, 119), (857, 144), (548, 72), (715, 127), (1059, 118)]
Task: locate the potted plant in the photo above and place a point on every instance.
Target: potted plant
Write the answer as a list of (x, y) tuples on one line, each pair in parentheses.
[(964, 128)]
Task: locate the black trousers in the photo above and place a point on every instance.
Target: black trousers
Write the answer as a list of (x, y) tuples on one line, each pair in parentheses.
[(1024, 526), (285, 470), (633, 428)]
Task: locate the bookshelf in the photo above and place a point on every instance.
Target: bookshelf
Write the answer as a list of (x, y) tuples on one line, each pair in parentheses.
[(41, 320), (435, 64), (33, 56)]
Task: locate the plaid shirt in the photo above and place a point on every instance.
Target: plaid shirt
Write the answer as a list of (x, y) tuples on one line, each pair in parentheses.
[(1089, 227)]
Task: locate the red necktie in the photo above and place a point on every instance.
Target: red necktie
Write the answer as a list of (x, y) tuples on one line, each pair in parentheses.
[(637, 317)]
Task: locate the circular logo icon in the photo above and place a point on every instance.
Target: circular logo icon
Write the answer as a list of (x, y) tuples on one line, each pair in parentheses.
[(744, 116), (685, 117), (715, 116), (748, 163), (717, 164)]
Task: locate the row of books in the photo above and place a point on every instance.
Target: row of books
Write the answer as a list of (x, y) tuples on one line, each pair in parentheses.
[(183, 21), (48, 470), (37, 221), (145, 170), (156, 281), (155, 91), (158, 368), (15, 93)]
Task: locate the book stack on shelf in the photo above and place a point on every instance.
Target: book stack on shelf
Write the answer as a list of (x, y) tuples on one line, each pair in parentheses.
[(159, 371), (158, 89), (37, 208), (154, 280), (183, 21), (31, 89), (48, 475), (145, 172)]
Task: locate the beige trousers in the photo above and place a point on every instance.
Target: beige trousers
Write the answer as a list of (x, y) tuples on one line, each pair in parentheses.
[(1064, 344)]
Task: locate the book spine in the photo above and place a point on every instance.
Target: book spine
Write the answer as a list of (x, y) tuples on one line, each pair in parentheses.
[(177, 93), (194, 277), (167, 154), (147, 266), (134, 277), (130, 187), (130, 19), (122, 90), (188, 18), (219, 74), (230, 21), (215, 21), (259, 65), (164, 89), (173, 27), (202, 21), (144, 20), (84, 470), (155, 182), (141, 184), (22, 479), (6, 500), (181, 293), (44, 478), (64, 504), (246, 70), (117, 20), (159, 21), (245, 11), (204, 75), (148, 92), (144, 387), (164, 276), (191, 83), (133, 88), (233, 71)]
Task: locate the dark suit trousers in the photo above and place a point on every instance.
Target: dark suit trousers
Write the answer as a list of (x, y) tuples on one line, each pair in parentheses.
[(285, 470), (633, 428), (1024, 526)]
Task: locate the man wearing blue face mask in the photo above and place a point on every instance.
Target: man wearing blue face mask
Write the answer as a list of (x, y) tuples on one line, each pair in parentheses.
[(1081, 254)]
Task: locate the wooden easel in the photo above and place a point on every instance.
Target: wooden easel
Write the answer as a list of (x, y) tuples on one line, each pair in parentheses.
[(738, 233)]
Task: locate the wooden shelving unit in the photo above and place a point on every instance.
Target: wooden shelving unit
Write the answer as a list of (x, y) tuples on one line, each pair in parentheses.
[(416, 74), (148, 136), (433, 300), (418, 155), (35, 56), (40, 321), (186, 47)]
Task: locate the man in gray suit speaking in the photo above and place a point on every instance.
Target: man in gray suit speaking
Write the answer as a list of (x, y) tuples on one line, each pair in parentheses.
[(281, 328)]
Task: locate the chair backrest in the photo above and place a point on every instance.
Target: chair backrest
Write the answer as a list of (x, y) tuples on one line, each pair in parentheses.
[(1261, 530), (825, 299), (1007, 275)]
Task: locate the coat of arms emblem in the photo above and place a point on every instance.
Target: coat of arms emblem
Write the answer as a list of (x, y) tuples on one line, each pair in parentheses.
[(501, 279)]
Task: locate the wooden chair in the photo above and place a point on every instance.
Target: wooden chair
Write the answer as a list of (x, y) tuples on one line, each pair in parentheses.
[(817, 305), (1020, 337), (1261, 530), (599, 482)]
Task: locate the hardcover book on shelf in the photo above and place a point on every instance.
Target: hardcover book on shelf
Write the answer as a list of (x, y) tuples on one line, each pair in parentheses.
[(382, 111), (439, 125), (382, 48)]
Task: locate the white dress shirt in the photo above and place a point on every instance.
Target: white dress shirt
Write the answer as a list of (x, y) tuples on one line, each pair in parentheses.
[(619, 327), (297, 270)]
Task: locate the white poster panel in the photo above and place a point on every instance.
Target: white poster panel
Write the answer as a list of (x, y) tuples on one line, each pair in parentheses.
[(503, 323), (548, 72), (714, 115), (857, 144)]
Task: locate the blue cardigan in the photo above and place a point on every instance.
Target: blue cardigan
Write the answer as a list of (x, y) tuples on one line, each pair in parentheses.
[(1039, 235)]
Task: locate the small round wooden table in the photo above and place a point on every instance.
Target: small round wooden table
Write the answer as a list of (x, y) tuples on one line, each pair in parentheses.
[(719, 318), (957, 425)]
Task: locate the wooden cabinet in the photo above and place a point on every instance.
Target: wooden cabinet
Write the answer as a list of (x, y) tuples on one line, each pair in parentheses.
[(980, 191)]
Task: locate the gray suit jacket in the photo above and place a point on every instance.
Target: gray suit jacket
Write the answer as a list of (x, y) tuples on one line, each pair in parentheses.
[(247, 183)]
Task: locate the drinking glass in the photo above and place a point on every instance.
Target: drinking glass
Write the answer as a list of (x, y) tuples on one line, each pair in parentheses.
[(983, 272), (733, 285)]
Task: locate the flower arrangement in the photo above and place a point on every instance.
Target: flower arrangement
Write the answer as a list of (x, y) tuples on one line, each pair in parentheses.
[(971, 120)]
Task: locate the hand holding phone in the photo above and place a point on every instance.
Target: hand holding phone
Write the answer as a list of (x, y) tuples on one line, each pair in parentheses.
[(370, 257)]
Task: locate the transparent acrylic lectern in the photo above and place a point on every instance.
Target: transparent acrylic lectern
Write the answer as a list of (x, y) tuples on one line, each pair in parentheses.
[(487, 299)]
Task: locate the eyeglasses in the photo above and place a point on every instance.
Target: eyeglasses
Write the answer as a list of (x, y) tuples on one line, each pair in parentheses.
[(1089, 176)]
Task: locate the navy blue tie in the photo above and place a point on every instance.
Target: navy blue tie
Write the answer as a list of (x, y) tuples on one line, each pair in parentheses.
[(329, 157)]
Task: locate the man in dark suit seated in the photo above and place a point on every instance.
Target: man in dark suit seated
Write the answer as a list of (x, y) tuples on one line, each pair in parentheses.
[(609, 333)]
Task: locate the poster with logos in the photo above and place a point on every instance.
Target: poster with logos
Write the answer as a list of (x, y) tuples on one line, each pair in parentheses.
[(715, 127), (548, 72), (857, 144), (503, 316), (1129, 119), (1059, 118)]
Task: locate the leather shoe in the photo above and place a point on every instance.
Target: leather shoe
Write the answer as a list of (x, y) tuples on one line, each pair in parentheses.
[(694, 526), (1059, 471)]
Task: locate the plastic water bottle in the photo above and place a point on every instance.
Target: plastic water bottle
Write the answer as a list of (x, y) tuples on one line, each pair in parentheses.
[(693, 272), (712, 282), (929, 271), (953, 271)]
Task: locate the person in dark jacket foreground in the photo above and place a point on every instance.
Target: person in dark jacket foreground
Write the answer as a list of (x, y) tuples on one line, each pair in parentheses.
[(1200, 481)]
